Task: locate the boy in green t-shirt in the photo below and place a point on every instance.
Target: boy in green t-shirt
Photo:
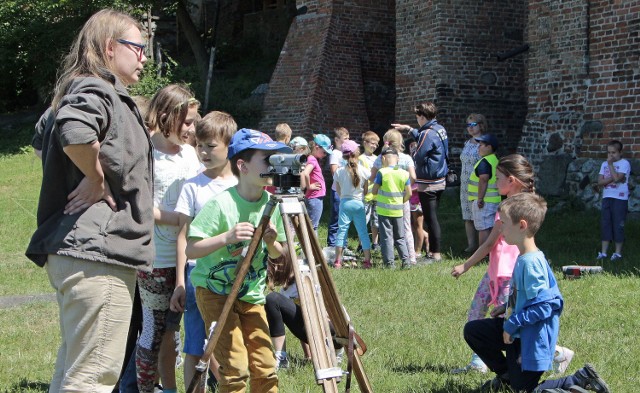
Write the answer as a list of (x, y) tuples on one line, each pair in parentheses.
[(217, 237)]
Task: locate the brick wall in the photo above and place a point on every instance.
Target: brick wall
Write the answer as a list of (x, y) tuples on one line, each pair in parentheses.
[(582, 78), (336, 69), (446, 53)]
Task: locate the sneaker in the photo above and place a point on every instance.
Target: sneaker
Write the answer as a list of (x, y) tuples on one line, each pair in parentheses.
[(157, 388), (347, 252), (562, 359), (339, 355), (587, 378), (496, 384), (375, 247), (282, 361), (615, 257), (367, 265), (470, 367), (602, 256)]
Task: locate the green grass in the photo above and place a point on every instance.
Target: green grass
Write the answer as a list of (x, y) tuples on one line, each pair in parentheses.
[(411, 320)]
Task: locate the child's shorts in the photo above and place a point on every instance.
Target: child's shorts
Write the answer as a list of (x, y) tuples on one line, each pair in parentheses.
[(484, 218), (414, 202), (194, 331), (371, 214)]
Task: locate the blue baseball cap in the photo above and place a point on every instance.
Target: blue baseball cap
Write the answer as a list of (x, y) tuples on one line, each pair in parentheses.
[(324, 142), (489, 139), (246, 138)]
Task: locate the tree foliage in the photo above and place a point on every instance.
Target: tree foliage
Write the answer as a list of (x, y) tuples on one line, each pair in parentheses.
[(34, 36)]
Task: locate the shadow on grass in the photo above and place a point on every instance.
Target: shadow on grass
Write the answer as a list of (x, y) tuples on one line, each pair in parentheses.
[(415, 368), (27, 386), (448, 387)]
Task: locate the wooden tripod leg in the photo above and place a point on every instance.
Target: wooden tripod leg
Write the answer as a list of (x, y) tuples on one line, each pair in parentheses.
[(241, 272), (315, 317), (334, 307)]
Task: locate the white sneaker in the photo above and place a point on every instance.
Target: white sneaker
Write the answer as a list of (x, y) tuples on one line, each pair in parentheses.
[(470, 367), (282, 361), (339, 355), (562, 359), (601, 256)]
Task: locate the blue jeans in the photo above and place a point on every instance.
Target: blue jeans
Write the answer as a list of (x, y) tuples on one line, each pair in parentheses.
[(314, 209), (353, 210), (612, 218), (332, 231)]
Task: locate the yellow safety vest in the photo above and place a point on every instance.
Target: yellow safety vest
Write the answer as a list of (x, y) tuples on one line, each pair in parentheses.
[(491, 195), (365, 163), (390, 198)]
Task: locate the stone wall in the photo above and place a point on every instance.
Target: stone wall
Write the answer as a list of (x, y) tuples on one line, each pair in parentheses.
[(583, 77), (582, 177)]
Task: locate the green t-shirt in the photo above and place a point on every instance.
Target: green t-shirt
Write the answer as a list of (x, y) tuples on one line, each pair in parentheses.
[(216, 271)]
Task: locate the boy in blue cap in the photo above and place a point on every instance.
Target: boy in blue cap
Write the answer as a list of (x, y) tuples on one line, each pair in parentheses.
[(217, 236), (482, 188)]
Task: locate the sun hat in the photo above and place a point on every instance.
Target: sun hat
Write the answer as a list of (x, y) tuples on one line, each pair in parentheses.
[(298, 141), (349, 146), (251, 139), (489, 139), (324, 142)]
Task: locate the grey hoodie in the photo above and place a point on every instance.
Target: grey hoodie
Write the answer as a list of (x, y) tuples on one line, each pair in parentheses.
[(96, 110)]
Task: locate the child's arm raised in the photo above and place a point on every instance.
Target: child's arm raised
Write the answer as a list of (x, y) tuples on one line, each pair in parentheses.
[(480, 253), (198, 248)]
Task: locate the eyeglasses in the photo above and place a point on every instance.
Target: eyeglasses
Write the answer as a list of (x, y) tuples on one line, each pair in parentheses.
[(472, 124), (138, 48)]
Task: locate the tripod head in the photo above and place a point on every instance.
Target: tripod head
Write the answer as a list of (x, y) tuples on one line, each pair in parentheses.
[(285, 171)]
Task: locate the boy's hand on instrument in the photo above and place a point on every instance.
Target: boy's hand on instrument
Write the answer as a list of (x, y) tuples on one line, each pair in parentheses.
[(240, 232), (270, 234), (458, 270)]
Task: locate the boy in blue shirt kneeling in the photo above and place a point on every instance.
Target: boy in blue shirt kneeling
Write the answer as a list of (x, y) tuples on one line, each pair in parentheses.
[(529, 330)]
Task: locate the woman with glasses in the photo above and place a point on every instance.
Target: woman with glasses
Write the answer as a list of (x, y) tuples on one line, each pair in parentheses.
[(95, 212), (476, 126)]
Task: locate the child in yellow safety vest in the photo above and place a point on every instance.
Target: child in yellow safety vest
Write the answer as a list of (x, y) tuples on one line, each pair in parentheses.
[(482, 188), (391, 189)]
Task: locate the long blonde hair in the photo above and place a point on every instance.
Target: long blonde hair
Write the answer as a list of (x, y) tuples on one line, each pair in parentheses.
[(87, 56)]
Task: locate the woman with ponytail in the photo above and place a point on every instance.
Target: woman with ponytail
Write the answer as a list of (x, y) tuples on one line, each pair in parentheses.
[(351, 186)]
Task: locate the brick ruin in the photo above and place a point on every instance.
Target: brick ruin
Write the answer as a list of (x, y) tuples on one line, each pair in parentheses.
[(363, 64)]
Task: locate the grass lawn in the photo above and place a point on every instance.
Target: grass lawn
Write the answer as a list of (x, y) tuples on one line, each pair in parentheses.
[(411, 320)]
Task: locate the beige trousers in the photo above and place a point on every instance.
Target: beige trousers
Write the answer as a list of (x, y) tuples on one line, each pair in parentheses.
[(95, 301)]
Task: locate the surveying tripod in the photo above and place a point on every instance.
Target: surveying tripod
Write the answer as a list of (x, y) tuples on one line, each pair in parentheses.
[(319, 300)]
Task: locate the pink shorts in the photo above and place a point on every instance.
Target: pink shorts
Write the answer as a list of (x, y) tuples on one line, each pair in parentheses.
[(414, 202)]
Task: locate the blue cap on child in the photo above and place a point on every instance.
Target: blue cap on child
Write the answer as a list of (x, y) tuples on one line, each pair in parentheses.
[(489, 139), (251, 139)]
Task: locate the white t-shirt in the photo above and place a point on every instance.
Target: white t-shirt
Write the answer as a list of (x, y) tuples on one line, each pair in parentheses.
[(347, 190), (404, 162), (368, 161), (199, 190), (616, 190), (336, 159), (170, 172)]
